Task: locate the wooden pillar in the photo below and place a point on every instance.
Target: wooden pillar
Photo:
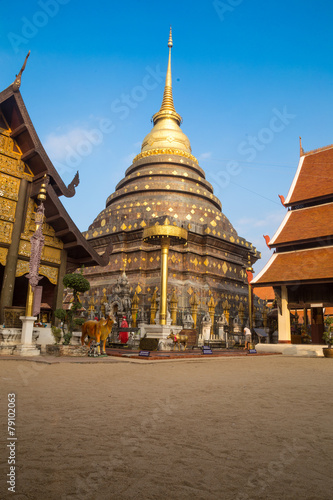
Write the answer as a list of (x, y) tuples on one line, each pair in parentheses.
[(59, 291), (317, 324), (305, 317), (284, 318), (8, 283)]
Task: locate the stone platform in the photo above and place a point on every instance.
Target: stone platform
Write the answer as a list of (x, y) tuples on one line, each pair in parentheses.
[(307, 350)]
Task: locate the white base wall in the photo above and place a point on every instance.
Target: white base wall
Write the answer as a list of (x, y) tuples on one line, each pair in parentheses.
[(308, 350)]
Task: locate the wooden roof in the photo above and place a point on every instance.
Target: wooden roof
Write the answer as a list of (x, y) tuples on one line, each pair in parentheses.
[(79, 250), (314, 265), (314, 177), (264, 293), (303, 225)]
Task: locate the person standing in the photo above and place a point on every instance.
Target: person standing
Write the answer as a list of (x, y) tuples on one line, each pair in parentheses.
[(247, 333), (123, 336)]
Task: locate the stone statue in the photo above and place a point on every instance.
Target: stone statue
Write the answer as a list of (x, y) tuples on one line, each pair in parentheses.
[(188, 321)]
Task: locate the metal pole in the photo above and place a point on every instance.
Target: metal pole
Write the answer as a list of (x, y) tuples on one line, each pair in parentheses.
[(165, 244)]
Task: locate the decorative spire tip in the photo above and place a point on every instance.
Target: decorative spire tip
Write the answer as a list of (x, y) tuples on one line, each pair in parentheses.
[(301, 150), (17, 82), (170, 42)]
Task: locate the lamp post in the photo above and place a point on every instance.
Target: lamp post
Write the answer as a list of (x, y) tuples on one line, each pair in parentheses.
[(37, 242), (164, 235), (249, 272)]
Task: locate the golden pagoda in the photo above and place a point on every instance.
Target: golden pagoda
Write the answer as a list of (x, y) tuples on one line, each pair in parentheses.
[(166, 185)]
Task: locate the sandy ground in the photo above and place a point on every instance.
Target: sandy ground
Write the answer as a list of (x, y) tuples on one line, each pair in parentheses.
[(251, 428)]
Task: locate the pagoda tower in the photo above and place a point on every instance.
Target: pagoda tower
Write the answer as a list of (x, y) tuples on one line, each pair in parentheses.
[(166, 186)]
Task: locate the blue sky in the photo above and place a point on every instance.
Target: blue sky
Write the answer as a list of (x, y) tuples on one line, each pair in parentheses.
[(249, 78)]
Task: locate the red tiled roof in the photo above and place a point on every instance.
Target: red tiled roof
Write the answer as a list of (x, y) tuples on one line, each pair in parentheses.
[(264, 292), (315, 179), (299, 266), (304, 224)]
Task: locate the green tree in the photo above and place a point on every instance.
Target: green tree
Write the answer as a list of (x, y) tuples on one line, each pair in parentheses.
[(78, 284)]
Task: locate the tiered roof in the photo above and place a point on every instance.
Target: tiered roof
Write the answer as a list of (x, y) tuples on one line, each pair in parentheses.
[(304, 241), (38, 164)]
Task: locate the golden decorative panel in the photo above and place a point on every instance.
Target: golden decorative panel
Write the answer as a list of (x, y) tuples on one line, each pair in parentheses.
[(6, 232), (22, 267), (3, 256), (9, 186), (51, 241), (7, 209), (165, 151), (11, 165), (51, 254), (50, 272), (24, 248)]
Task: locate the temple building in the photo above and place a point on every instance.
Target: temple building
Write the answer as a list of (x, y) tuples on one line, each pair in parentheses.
[(23, 167), (165, 186), (301, 267)]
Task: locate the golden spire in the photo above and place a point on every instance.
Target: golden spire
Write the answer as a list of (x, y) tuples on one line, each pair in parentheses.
[(166, 136), (167, 107)]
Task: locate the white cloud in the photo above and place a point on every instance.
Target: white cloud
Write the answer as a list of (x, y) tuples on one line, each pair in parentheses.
[(59, 145), (270, 220), (205, 156)]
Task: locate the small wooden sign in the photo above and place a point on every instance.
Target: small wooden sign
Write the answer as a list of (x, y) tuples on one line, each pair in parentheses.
[(144, 354), (206, 350), (252, 351)]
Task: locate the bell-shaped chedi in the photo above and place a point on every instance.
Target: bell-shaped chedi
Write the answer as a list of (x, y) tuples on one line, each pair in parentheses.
[(166, 181)]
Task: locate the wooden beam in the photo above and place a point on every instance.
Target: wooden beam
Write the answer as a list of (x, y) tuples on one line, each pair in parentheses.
[(29, 154), (18, 130), (70, 245), (63, 232)]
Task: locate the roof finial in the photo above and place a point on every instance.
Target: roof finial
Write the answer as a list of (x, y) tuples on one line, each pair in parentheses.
[(170, 42), (17, 82), (301, 150), (167, 108)]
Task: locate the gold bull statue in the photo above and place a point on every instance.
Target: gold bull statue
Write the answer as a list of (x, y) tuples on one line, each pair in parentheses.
[(98, 331), (178, 339)]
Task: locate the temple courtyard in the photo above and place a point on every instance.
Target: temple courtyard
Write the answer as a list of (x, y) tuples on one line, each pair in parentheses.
[(232, 427)]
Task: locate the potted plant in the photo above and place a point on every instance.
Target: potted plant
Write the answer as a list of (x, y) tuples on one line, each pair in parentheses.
[(328, 337), (56, 332)]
